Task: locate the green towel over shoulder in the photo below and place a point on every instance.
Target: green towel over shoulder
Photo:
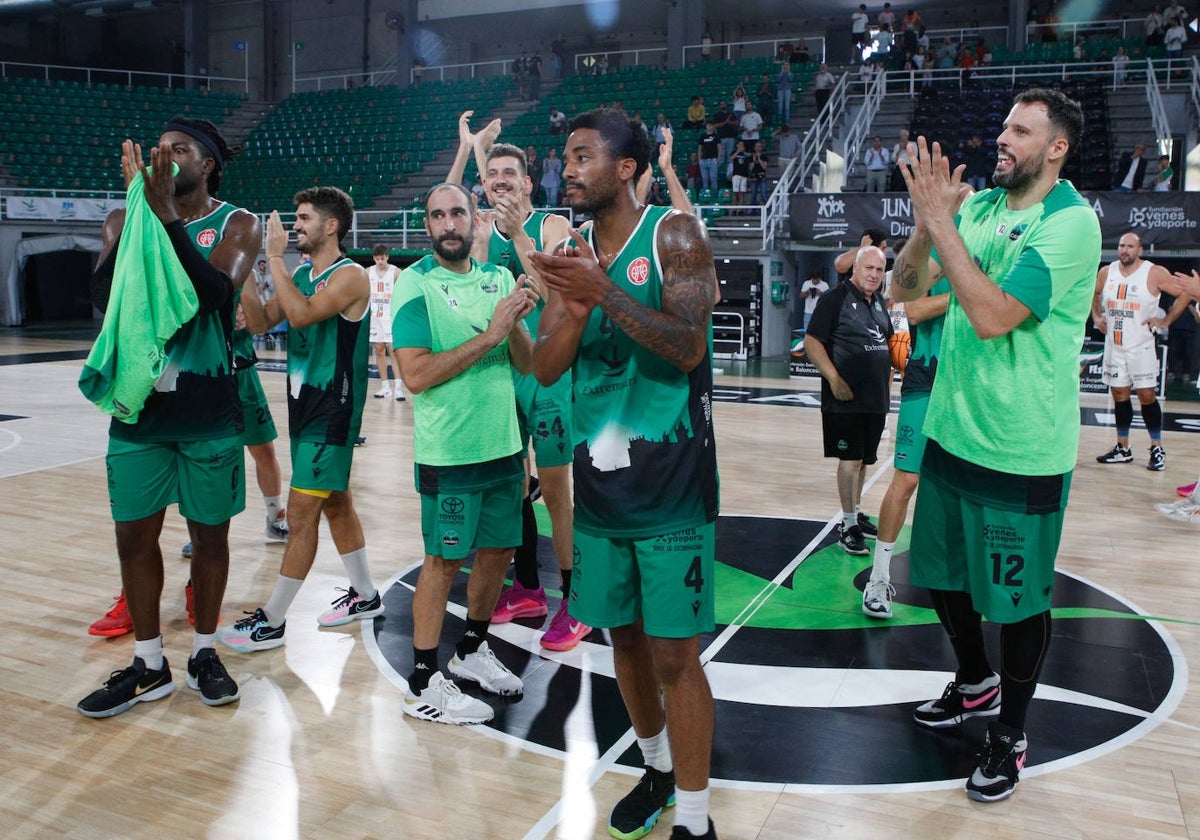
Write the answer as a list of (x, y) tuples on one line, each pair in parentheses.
[(151, 299)]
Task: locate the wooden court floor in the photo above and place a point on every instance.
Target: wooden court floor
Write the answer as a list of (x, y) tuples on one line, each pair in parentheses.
[(317, 747)]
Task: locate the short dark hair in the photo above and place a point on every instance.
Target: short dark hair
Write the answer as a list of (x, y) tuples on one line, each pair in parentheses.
[(331, 203), (1066, 115), (508, 150), (380, 250), (622, 136), (878, 235)]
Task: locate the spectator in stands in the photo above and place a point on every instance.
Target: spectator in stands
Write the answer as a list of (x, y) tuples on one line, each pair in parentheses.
[(637, 118), (866, 73), (947, 54), (789, 146), (558, 121), (758, 174), (884, 41), (903, 151), (977, 160), (533, 163), (801, 55), (1174, 14), (858, 29), (696, 114), (660, 125), (1131, 170), (1154, 27), (823, 83), (887, 18), (693, 172), (1175, 37), (533, 70), (913, 30), (783, 92), (727, 129), (1165, 174), (751, 124), (922, 39), (710, 156), (878, 162), (811, 291), (741, 100), (551, 176), (740, 173), (764, 97), (657, 196), (1120, 65), (518, 72)]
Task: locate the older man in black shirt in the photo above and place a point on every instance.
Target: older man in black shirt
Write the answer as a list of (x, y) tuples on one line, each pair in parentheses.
[(847, 342)]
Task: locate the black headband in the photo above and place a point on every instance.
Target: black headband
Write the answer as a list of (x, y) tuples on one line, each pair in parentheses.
[(200, 137)]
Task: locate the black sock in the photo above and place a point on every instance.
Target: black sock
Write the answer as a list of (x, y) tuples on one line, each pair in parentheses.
[(525, 558), (1152, 417), (566, 583), (1023, 649), (964, 626), (425, 665), (474, 636)]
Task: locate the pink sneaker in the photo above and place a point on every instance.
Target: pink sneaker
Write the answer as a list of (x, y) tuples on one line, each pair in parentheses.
[(1186, 490), (520, 602), (565, 632)]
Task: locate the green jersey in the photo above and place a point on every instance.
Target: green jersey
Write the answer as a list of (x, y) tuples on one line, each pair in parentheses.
[(243, 340), (927, 343), (196, 398), (502, 251), (327, 369), (1011, 403), (645, 454), (470, 418)]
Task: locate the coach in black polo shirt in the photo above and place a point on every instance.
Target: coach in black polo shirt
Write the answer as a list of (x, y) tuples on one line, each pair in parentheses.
[(847, 341)]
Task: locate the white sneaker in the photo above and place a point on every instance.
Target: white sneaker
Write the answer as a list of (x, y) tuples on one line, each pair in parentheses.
[(277, 526), (1186, 509), (443, 702), (483, 667), (877, 598), (384, 392)]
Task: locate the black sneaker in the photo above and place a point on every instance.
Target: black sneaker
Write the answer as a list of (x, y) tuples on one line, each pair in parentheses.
[(1117, 455), (1158, 458), (959, 702), (135, 684), (1000, 764), (206, 674), (636, 814), (852, 541), (867, 526), (681, 833)]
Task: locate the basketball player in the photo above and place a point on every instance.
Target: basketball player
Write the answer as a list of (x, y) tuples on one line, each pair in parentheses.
[(186, 446), (1125, 308), (998, 463), (544, 412), (382, 275), (325, 302), (458, 332), (629, 310)]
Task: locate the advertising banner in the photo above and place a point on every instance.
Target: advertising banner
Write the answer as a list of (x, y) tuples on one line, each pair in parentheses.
[(60, 209)]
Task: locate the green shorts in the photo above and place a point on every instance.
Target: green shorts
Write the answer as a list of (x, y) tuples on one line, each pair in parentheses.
[(910, 440), (544, 415), (667, 581), (321, 466), (256, 414), (454, 523), (207, 478), (991, 534)]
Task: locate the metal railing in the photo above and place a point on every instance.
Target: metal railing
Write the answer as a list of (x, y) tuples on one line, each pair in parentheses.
[(1072, 30), (860, 126), (97, 75), (734, 50), (589, 62), (1158, 111), (775, 212), (450, 72)]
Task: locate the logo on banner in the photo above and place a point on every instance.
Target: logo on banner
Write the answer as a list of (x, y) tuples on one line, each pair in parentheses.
[(831, 218), (1170, 217), (206, 238)]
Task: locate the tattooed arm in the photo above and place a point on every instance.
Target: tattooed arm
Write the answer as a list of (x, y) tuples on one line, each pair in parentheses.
[(679, 333), (914, 272)]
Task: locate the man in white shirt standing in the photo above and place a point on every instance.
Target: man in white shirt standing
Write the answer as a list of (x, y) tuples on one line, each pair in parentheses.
[(383, 276), (811, 291)]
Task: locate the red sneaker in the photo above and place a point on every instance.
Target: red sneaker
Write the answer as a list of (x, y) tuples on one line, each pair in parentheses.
[(1186, 490), (519, 602), (116, 622)]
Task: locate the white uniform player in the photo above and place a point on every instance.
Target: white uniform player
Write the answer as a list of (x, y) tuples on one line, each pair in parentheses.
[(383, 277)]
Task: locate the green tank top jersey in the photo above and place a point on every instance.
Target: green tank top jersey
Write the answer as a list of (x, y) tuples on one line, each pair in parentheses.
[(470, 418), (196, 398), (502, 251), (242, 340), (927, 343), (1011, 403), (645, 455), (327, 369)]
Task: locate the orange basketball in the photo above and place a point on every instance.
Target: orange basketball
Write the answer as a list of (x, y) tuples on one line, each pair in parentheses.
[(900, 346)]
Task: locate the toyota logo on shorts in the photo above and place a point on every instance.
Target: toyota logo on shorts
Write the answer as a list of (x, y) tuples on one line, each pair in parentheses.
[(453, 504)]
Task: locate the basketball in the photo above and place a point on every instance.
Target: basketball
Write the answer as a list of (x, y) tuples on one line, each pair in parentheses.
[(900, 346)]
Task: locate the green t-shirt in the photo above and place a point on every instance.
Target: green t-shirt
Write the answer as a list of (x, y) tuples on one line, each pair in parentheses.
[(645, 455), (327, 369), (196, 397), (927, 343), (472, 417), (1011, 403)]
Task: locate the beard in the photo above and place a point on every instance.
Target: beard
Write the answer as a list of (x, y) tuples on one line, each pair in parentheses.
[(1022, 175), (454, 252)]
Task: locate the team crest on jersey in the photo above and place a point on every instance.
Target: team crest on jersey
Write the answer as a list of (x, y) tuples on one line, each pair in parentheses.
[(319, 286), (489, 287), (639, 271), (206, 238)]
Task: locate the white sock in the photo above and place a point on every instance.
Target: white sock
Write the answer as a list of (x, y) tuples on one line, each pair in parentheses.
[(396, 386), (691, 810), (656, 752), (200, 641), (359, 573), (849, 520), (150, 651), (274, 505), (882, 568), (281, 598)]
